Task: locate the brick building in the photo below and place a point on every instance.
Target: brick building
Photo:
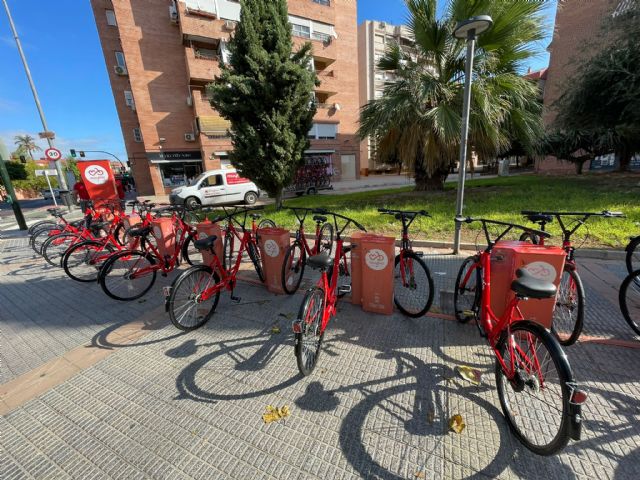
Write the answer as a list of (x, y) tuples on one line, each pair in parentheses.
[(577, 26), (160, 55)]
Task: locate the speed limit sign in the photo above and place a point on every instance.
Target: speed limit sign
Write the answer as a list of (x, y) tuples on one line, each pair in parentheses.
[(53, 154)]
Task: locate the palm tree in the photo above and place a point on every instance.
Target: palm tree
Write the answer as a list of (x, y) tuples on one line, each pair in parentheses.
[(418, 118), (26, 143)]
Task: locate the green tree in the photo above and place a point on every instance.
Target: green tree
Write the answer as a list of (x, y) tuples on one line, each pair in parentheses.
[(573, 146), (266, 91), (27, 144), (603, 105), (16, 171), (418, 118), (71, 165)]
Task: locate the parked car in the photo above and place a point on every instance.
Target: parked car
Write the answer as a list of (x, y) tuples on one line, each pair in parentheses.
[(216, 187), (46, 194)]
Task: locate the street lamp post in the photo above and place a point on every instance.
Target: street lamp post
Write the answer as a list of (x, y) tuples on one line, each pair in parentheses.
[(467, 29), (62, 181)]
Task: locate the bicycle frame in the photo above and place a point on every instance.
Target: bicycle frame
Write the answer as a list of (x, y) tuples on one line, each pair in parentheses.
[(330, 287)]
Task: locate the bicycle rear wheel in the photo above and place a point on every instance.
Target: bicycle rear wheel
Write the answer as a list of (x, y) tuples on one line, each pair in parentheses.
[(55, 247), (629, 298), (128, 275), (254, 255), (467, 291), (536, 401), (568, 316), (41, 235), (82, 262), (187, 310), (633, 255), (413, 285), (309, 340), (38, 225), (293, 267)]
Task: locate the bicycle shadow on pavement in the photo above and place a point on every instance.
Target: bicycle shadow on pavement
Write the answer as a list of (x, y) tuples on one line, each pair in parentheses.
[(110, 338)]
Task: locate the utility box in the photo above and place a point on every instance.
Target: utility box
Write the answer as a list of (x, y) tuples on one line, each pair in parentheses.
[(543, 262), (206, 229), (377, 258), (165, 235), (130, 222), (356, 266), (273, 243)]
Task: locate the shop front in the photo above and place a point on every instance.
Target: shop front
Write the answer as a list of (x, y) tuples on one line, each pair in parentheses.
[(177, 168)]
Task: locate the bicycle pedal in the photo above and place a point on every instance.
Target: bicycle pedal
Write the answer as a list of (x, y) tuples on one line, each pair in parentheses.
[(236, 299), (344, 289)]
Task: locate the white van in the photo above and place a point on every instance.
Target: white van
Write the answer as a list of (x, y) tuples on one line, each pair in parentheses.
[(216, 187)]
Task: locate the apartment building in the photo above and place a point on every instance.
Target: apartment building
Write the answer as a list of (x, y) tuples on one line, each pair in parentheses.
[(161, 54), (373, 39)]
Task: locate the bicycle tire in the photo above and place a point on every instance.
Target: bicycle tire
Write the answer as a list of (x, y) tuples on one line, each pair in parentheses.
[(292, 266), (568, 332), (632, 258), (462, 314), (188, 281), (629, 299), (310, 316), (92, 268), (108, 270), (228, 259), (422, 301), (191, 254), (42, 235), (530, 237), (120, 234), (55, 247), (254, 255), (266, 223), (530, 383), (326, 239), (36, 226)]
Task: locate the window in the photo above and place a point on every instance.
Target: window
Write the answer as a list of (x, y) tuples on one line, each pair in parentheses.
[(301, 30), (323, 37), (128, 99), (120, 60), (137, 135), (379, 39), (111, 18), (212, 181), (323, 131), (326, 3)]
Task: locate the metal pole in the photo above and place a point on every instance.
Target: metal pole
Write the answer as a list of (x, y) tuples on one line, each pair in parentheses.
[(62, 181), (466, 104), (53, 195), (13, 199)]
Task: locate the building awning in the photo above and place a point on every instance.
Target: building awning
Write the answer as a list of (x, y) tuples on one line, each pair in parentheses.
[(214, 125), (314, 152)]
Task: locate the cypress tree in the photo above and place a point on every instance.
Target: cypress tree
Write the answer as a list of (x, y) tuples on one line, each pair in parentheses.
[(266, 91)]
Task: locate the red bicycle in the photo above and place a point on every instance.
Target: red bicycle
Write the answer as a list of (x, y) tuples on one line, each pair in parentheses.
[(413, 285), (320, 302), (129, 274), (568, 316), (295, 258), (193, 297), (538, 393)]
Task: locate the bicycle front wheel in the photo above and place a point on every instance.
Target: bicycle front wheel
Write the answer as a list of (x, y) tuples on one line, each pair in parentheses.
[(633, 255), (254, 255), (568, 316), (309, 339), (82, 262), (38, 225), (293, 268), (413, 285), (536, 401), (128, 275), (325, 239), (41, 235), (55, 247), (187, 308), (266, 223), (629, 298), (467, 291)]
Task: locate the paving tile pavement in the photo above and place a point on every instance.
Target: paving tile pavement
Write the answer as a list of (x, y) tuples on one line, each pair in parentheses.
[(188, 405)]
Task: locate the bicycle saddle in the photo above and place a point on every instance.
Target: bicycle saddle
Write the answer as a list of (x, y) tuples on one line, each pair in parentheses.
[(205, 243), (256, 216), (77, 223), (319, 218), (140, 232), (538, 217), (321, 261), (527, 285)]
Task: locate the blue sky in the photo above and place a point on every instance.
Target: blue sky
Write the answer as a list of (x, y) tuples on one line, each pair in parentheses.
[(63, 50)]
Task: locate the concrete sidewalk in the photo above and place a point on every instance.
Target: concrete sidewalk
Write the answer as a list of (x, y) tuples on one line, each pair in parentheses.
[(93, 388)]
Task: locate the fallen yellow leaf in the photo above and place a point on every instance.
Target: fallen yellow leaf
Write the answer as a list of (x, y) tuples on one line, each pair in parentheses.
[(420, 474), (273, 414), (472, 375), (456, 423), (275, 330)]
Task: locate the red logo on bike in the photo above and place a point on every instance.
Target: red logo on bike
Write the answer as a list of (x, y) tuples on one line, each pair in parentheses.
[(542, 271), (96, 174), (376, 259)]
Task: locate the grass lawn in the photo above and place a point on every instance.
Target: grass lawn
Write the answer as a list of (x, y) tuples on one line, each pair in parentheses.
[(498, 199)]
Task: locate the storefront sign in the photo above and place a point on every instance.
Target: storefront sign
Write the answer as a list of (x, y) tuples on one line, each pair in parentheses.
[(165, 157)]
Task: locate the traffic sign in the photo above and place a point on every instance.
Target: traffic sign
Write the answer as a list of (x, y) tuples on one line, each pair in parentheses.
[(53, 154), (42, 173)]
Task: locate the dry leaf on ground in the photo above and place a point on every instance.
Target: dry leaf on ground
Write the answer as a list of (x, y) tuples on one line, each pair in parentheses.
[(456, 423)]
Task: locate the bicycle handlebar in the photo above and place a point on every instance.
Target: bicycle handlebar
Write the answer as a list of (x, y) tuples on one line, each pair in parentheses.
[(604, 213), (506, 224), (324, 211), (388, 211)]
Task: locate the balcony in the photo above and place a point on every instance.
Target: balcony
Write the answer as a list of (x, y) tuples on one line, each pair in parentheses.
[(201, 25), (202, 64), (328, 83), (324, 52)]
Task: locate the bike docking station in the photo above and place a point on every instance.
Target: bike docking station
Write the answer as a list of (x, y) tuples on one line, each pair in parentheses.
[(164, 232), (545, 263), (372, 267), (273, 244), (206, 229)]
